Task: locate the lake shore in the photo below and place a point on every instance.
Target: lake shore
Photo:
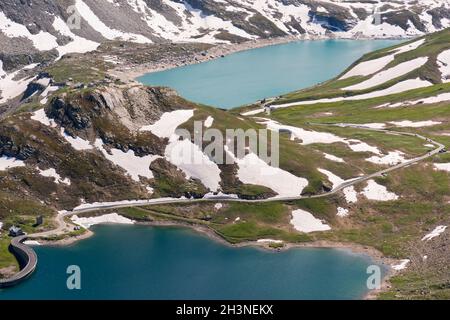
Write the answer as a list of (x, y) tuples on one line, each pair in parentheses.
[(129, 72), (352, 248)]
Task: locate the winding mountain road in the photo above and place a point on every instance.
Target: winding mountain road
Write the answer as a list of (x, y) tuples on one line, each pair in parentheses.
[(62, 226)]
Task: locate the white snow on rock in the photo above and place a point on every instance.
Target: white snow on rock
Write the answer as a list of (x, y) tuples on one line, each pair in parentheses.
[(342, 212), (8, 163), (41, 117), (253, 112), (402, 265), (351, 196), (409, 47), (333, 158), (375, 191), (430, 100), (218, 206), (392, 158), (2, 72), (45, 41), (77, 143), (165, 127), (135, 166), (111, 34), (10, 88), (304, 221), (435, 233), (270, 241), (46, 92), (209, 122), (111, 218), (442, 166), (412, 124), (399, 87), (444, 65), (253, 170), (306, 136), (369, 67), (51, 173), (77, 45), (310, 137), (191, 26), (390, 74), (359, 146), (87, 206), (41, 41), (188, 157)]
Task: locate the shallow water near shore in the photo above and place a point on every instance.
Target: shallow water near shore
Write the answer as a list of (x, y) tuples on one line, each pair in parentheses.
[(143, 262), (248, 76)]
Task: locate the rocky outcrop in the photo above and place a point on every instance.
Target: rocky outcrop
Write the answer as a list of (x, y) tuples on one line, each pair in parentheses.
[(172, 182)]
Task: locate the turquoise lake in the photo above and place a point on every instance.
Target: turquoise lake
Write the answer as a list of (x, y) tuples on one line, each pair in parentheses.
[(142, 262), (248, 76)]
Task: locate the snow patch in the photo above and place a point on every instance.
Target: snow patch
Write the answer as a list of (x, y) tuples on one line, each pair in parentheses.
[(351, 196), (399, 87), (209, 122), (135, 166), (253, 170), (113, 218), (51, 173), (375, 191), (342, 212), (304, 221), (165, 127), (435, 233), (442, 166), (188, 157), (77, 143), (269, 241), (41, 117), (392, 158), (444, 65), (390, 74), (107, 32), (402, 265), (77, 45), (412, 124), (333, 158), (8, 163)]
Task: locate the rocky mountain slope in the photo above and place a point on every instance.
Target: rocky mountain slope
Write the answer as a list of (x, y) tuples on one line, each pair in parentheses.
[(29, 28), (40, 32)]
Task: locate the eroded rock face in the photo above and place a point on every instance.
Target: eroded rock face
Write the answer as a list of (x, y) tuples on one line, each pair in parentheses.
[(68, 114), (115, 115), (92, 115)]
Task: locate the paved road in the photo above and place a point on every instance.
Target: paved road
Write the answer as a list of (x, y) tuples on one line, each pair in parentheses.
[(63, 227), (26, 255)]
